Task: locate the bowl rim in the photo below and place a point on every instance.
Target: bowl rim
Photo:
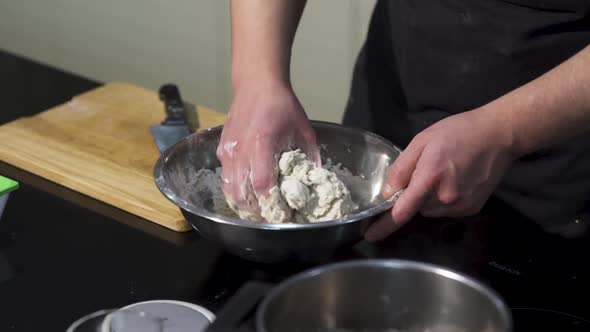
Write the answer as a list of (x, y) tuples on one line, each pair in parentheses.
[(388, 263), (219, 218)]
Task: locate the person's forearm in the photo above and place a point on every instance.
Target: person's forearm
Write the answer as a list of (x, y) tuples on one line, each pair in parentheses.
[(548, 110), (262, 37)]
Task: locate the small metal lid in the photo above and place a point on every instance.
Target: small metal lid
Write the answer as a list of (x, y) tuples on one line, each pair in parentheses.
[(178, 316)]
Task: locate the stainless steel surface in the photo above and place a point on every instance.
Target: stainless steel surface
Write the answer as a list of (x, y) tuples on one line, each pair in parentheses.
[(177, 124), (382, 295), (166, 136), (363, 153)]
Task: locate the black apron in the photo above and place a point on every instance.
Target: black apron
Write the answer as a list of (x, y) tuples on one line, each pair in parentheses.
[(425, 60)]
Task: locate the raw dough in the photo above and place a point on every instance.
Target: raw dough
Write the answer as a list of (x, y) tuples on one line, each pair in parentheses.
[(305, 193), (314, 193), (273, 208)]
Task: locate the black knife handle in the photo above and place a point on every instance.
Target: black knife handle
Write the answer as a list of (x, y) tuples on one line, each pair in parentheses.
[(170, 95)]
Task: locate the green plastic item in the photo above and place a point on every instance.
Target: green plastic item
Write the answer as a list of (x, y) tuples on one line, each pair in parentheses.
[(7, 185)]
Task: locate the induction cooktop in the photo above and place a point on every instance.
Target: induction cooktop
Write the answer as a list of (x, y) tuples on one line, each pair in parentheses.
[(541, 276)]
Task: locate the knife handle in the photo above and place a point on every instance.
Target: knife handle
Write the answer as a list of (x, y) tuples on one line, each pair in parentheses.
[(170, 95)]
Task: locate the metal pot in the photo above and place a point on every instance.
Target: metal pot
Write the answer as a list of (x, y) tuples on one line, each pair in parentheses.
[(370, 295)]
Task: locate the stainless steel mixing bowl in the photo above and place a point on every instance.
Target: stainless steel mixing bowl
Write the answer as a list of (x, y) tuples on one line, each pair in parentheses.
[(363, 153)]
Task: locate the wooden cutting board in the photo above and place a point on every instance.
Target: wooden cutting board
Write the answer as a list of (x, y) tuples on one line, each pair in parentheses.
[(100, 144)]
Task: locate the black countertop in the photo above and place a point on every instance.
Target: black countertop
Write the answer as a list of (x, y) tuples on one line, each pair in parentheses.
[(64, 255)]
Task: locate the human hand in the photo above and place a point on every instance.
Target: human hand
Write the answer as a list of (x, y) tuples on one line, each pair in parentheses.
[(449, 170), (263, 121)]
